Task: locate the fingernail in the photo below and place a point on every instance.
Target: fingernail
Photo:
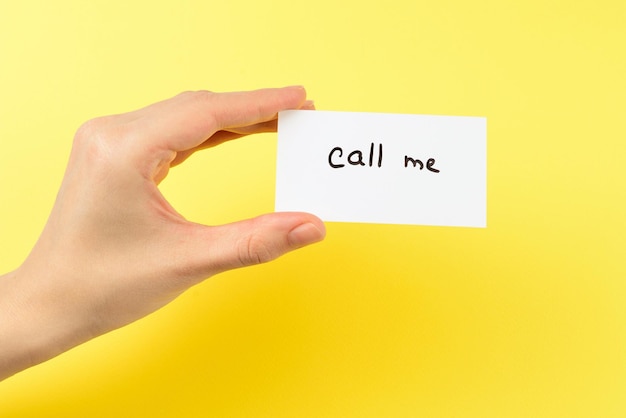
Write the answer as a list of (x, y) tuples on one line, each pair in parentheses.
[(305, 234), (308, 105)]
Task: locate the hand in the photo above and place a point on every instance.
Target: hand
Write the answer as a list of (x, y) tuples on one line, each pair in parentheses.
[(113, 249)]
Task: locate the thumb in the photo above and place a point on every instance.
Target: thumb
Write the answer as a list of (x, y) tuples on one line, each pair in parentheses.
[(257, 240)]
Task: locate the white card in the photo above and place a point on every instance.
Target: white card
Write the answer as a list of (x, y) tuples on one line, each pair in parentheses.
[(383, 168)]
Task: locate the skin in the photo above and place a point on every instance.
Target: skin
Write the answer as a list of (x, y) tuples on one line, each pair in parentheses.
[(113, 249)]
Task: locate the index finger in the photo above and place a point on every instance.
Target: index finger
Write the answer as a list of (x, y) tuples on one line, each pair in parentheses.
[(188, 119)]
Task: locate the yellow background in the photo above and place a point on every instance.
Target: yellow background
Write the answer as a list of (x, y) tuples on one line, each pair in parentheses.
[(526, 318)]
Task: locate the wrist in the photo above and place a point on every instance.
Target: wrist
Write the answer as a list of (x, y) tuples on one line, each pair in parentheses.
[(35, 324)]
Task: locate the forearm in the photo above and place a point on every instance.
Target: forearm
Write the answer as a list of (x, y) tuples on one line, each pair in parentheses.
[(34, 325)]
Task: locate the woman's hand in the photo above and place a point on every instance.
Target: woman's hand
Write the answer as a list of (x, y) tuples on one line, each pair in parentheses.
[(113, 249)]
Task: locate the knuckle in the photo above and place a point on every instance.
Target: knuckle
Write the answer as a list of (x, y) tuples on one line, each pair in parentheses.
[(202, 106), (198, 95), (94, 140), (88, 130), (210, 111), (256, 250)]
